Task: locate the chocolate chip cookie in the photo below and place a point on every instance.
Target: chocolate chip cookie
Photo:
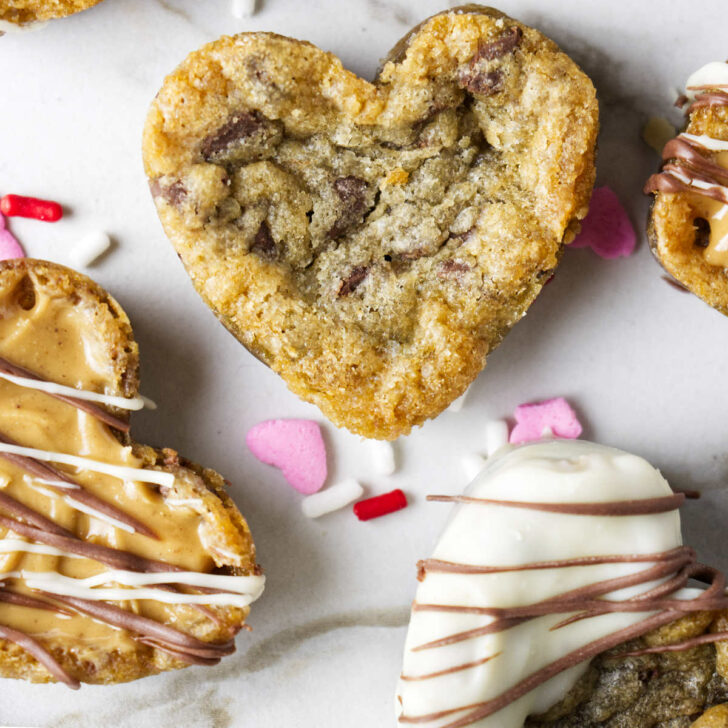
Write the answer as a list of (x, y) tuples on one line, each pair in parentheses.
[(373, 242), (22, 12)]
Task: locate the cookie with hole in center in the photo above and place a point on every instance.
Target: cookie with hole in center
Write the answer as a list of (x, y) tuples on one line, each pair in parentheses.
[(26, 12), (117, 560), (688, 223), (373, 242)]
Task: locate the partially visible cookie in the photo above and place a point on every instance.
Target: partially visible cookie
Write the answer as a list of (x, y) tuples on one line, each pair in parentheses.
[(688, 223), (559, 596), (23, 12), (372, 242), (117, 560)]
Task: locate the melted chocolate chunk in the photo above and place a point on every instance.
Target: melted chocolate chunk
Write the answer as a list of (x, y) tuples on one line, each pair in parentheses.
[(245, 127), (263, 243), (452, 269), (498, 48), (353, 280), (174, 194), (483, 83), (352, 192), (702, 232)]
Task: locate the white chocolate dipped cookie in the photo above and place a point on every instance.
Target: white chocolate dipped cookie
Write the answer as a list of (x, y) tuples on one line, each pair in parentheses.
[(561, 558)]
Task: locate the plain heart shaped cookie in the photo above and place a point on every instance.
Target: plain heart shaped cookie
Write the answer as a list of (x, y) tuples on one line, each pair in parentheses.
[(372, 242), (117, 560), (22, 12)]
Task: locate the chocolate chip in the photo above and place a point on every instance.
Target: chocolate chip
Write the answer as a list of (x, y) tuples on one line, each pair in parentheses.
[(450, 268), (702, 232), (498, 48), (484, 83), (263, 243), (353, 280), (487, 81), (174, 193), (352, 192), (232, 134)]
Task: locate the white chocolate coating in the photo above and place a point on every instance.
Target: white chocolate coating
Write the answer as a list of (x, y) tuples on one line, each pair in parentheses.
[(714, 74), (480, 534)]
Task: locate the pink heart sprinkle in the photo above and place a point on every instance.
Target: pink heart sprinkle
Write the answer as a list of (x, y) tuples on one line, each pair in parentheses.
[(294, 446), (9, 246), (606, 229), (533, 419)]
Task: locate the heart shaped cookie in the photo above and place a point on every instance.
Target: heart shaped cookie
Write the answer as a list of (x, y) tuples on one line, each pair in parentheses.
[(555, 598), (688, 225), (23, 12), (117, 560), (372, 242)]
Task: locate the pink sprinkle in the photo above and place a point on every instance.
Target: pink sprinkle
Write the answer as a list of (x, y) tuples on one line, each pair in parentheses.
[(606, 229), (9, 246), (533, 419), (294, 446)]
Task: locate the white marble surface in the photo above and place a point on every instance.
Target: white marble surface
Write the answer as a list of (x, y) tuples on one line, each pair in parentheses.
[(643, 364)]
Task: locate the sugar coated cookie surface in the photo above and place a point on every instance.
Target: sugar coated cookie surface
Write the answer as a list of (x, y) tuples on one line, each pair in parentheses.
[(372, 242), (20, 12)]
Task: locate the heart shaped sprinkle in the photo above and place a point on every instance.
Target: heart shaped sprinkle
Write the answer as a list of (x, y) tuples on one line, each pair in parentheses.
[(555, 415), (9, 246), (607, 229), (296, 447)]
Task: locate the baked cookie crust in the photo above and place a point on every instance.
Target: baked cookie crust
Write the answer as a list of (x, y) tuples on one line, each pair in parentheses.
[(372, 242), (224, 537), (21, 12)]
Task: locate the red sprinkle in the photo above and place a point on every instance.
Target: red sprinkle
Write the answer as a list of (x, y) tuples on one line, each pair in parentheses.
[(19, 206), (380, 505)]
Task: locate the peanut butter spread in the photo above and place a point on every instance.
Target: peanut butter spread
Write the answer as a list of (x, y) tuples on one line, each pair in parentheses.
[(139, 522)]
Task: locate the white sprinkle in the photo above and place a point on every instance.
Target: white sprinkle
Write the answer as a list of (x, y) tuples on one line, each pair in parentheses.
[(335, 497), (382, 454), (496, 436), (715, 145), (472, 464), (457, 404), (148, 403), (243, 8), (89, 248)]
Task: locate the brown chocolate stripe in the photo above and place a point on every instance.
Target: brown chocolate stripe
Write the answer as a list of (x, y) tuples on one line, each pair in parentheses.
[(450, 567), (36, 649), (703, 639), (116, 558), (20, 510), (711, 98), (450, 670), (642, 507), (691, 154), (93, 409), (79, 493), (184, 646)]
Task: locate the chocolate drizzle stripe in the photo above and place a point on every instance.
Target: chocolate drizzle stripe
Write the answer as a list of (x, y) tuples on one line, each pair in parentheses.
[(449, 567), (23, 600), (89, 407), (152, 632), (532, 681), (691, 154), (36, 649), (641, 507), (27, 514), (579, 599), (450, 670), (116, 558), (711, 98), (703, 639), (79, 493)]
